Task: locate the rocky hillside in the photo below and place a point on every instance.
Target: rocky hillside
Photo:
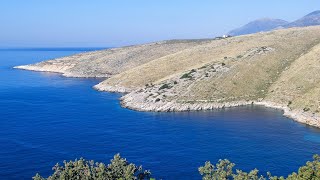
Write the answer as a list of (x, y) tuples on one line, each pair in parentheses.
[(263, 25), (279, 69)]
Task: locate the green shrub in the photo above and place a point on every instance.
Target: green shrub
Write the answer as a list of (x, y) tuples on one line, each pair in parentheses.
[(165, 86), (310, 171), (188, 75), (203, 67), (185, 76), (119, 168), (306, 109), (224, 170)]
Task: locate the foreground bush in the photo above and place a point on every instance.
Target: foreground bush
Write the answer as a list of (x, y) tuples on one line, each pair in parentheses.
[(120, 169), (81, 169), (223, 170)]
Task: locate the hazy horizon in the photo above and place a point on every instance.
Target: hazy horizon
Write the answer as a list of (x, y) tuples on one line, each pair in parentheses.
[(36, 23)]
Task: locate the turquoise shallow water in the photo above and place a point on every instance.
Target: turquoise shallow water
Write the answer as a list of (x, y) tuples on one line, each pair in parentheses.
[(46, 118)]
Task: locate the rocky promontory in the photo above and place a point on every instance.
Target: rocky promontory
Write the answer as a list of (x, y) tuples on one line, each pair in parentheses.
[(278, 69)]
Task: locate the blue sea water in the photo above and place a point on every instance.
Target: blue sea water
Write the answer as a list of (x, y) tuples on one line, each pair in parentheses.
[(46, 118)]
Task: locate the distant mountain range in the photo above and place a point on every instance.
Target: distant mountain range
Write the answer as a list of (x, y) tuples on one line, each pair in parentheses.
[(267, 24)]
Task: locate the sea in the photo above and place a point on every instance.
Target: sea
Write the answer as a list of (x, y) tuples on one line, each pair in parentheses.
[(46, 118)]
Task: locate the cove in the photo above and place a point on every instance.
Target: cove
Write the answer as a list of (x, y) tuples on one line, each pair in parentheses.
[(46, 118)]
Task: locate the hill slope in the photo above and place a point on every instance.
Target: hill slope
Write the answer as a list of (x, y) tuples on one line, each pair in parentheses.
[(277, 69), (105, 63)]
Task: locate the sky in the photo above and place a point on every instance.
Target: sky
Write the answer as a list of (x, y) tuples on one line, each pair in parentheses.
[(114, 23)]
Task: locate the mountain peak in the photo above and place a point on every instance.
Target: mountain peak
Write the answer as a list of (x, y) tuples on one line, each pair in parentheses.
[(259, 25), (267, 24), (312, 19), (314, 13)]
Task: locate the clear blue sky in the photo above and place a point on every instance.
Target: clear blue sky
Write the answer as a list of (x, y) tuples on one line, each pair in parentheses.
[(105, 23)]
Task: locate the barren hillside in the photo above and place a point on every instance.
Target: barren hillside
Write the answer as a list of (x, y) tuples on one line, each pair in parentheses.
[(105, 63)]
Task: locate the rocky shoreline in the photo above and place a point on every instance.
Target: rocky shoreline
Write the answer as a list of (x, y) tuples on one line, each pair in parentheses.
[(297, 115), (59, 70), (102, 87), (38, 69)]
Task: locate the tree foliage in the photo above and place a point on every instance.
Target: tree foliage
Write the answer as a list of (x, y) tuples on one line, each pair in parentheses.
[(223, 170), (310, 171), (118, 169)]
